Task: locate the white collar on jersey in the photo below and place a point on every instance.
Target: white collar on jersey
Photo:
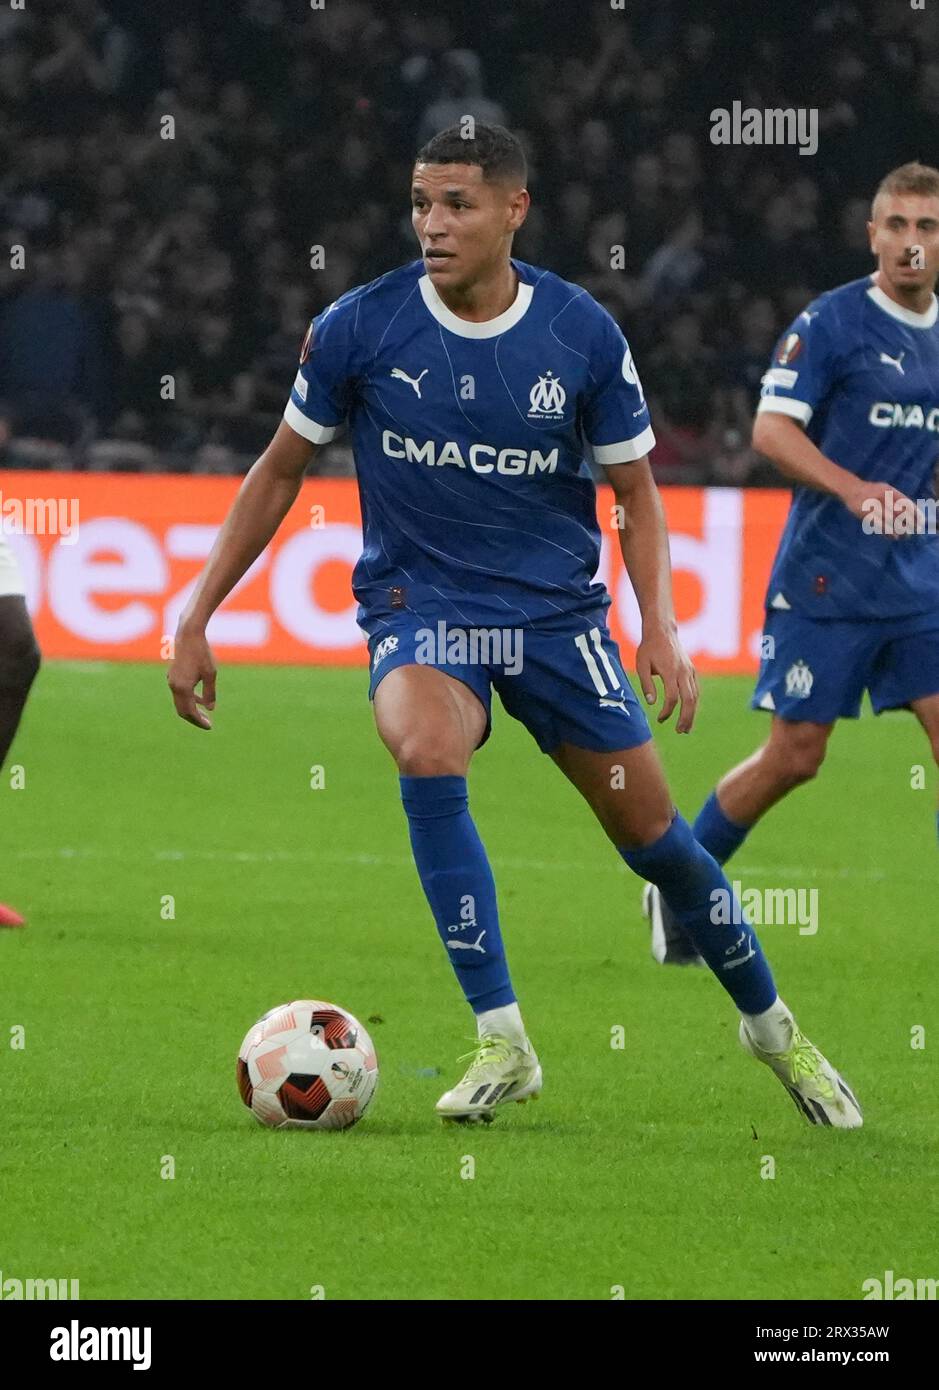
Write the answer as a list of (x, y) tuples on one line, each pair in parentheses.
[(489, 328), (897, 311)]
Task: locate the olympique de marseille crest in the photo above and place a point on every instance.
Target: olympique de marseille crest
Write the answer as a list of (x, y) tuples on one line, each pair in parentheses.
[(547, 397), (799, 680)]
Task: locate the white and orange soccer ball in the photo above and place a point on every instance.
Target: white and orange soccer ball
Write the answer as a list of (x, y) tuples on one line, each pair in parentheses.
[(307, 1065)]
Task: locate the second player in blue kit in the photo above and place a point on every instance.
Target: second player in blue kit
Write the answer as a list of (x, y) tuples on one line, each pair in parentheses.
[(850, 413)]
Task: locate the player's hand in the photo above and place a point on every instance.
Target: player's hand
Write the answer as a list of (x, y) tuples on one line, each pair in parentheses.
[(885, 509), (192, 662), (661, 654)]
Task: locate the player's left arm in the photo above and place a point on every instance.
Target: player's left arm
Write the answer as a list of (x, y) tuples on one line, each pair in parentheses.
[(617, 427), (644, 544)]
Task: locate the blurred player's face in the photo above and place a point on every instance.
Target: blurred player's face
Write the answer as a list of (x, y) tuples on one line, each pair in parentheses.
[(903, 222), (464, 224)]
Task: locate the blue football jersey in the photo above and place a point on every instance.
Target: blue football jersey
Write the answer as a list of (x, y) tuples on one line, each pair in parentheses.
[(861, 373), (471, 443)]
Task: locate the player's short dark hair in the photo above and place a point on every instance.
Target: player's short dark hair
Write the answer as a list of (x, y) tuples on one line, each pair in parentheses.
[(921, 179), (496, 150)]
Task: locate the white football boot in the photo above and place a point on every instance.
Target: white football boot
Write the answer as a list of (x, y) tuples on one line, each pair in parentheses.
[(499, 1072), (817, 1090), (671, 944)]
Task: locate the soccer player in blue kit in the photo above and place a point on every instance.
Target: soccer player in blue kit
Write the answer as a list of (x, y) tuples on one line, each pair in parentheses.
[(473, 385), (850, 413)]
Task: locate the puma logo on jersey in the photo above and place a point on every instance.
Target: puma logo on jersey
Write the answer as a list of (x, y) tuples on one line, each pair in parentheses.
[(400, 375), (894, 361)]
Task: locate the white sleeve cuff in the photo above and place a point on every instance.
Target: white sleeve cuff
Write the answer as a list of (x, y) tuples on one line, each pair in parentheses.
[(626, 450), (785, 405), (309, 429)]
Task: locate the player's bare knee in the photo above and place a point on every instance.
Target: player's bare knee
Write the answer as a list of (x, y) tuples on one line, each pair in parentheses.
[(800, 767), (797, 758), (420, 755), (640, 835), (808, 759)]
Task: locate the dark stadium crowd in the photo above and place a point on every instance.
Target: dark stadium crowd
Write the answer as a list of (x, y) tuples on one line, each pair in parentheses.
[(167, 174)]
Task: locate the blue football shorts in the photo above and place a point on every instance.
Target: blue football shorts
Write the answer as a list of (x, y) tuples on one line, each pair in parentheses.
[(818, 669), (566, 685)]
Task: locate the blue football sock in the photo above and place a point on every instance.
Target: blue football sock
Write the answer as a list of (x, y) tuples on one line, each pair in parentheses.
[(697, 891), (719, 836), (459, 886)]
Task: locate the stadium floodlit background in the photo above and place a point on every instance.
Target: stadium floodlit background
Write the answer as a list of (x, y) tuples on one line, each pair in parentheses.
[(179, 884), (296, 128)]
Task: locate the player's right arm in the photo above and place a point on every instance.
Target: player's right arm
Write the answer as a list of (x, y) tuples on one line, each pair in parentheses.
[(264, 499), (785, 443), (803, 373), (330, 359)]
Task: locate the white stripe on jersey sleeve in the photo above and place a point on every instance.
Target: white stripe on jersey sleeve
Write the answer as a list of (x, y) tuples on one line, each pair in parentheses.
[(626, 450), (785, 405), (309, 429)]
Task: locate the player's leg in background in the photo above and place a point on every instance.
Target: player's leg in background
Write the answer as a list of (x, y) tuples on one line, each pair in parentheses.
[(927, 712), (790, 757), (628, 793), (905, 674), (19, 663), (431, 723), (811, 674)]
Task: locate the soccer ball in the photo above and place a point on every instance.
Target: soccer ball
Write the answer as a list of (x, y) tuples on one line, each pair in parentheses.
[(307, 1065)]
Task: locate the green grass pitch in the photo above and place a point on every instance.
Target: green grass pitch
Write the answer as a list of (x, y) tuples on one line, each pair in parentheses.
[(640, 1167)]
